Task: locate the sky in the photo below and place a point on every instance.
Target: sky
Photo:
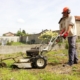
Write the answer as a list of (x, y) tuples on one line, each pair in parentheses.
[(33, 16)]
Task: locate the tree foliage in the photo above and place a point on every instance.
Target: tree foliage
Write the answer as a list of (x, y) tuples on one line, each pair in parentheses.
[(48, 35), (21, 33)]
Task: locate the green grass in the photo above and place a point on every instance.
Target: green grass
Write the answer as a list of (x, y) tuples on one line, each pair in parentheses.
[(48, 73), (57, 57), (9, 74), (17, 43)]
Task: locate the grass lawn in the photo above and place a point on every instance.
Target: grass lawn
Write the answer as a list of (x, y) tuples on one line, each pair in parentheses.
[(53, 71), (17, 43)]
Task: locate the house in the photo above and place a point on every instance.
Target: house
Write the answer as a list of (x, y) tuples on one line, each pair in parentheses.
[(9, 34), (77, 18), (78, 25)]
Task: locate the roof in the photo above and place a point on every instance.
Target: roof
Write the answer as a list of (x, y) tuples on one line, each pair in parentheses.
[(77, 18), (9, 34)]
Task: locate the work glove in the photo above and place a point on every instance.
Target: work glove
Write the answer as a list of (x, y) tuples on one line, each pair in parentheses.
[(64, 34)]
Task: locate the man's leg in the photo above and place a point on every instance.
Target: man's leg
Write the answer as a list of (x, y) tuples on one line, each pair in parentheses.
[(75, 52), (75, 57), (72, 49)]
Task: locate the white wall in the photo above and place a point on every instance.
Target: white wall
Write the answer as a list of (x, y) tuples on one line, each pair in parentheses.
[(10, 38), (78, 27)]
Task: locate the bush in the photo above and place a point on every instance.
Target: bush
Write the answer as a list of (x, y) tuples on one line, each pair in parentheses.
[(9, 43)]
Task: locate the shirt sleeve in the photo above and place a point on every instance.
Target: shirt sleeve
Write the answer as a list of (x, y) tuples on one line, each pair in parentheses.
[(72, 20)]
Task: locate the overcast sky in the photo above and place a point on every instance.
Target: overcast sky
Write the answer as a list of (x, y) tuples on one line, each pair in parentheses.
[(33, 15)]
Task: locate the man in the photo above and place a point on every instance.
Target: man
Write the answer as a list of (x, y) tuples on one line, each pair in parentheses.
[(68, 26)]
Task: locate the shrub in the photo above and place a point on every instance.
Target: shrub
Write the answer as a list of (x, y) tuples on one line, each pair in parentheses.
[(9, 43)]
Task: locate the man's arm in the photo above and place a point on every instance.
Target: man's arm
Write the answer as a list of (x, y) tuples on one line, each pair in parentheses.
[(71, 23), (69, 28)]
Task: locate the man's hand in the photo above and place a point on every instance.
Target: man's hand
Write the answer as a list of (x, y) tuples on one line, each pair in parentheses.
[(63, 33)]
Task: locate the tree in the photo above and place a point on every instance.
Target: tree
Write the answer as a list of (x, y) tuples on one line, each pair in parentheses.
[(24, 33), (48, 35), (21, 33)]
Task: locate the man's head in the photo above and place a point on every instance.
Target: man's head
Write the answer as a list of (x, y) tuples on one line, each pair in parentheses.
[(66, 12)]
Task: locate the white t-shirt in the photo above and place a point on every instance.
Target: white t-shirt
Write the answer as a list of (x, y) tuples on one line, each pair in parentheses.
[(70, 21)]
